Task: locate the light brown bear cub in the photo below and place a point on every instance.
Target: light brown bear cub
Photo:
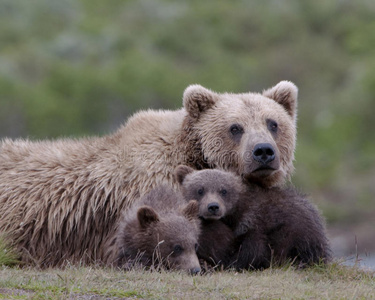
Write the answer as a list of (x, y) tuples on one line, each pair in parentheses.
[(160, 229), (266, 225)]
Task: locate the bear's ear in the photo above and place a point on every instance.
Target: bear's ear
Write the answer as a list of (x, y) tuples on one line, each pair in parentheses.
[(198, 99), (191, 210), (146, 216), (285, 93), (181, 172)]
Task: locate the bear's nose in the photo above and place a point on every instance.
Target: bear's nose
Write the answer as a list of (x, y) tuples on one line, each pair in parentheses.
[(263, 153), (195, 271), (213, 207)]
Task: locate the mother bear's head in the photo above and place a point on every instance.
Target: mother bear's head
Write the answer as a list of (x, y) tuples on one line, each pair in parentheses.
[(253, 135)]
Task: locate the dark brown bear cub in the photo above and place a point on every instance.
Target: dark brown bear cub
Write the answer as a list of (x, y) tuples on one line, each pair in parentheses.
[(266, 225), (218, 194), (159, 229), (287, 226)]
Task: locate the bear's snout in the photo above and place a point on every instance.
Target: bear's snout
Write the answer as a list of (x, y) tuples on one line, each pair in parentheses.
[(262, 162), (213, 208), (195, 271), (264, 153)]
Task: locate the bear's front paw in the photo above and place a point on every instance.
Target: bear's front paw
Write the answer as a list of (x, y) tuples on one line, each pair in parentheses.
[(241, 229)]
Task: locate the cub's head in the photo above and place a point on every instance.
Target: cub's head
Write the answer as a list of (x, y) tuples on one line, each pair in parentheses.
[(253, 135), (216, 191), (169, 240)]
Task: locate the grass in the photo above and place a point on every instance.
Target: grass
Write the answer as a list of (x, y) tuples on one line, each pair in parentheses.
[(334, 281), (8, 257)]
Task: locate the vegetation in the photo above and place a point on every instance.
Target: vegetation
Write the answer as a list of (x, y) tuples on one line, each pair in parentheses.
[(331, 282), (8, 257), (75, 68)]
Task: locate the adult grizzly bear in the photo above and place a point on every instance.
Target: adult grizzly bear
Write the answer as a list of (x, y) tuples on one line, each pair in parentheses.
[(253, 226), (61, 200)]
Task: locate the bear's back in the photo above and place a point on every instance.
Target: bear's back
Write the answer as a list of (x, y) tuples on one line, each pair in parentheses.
[(163, 199)]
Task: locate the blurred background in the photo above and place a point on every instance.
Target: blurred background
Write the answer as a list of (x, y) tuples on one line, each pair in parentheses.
[(71, 68)]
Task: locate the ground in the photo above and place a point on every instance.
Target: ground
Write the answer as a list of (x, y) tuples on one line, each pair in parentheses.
[(332, 282)]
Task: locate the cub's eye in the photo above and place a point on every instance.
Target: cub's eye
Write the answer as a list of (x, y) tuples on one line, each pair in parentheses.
[(272, 125), (200, 191), (223, 192), (236, 129), (196, 247), (177, 249)]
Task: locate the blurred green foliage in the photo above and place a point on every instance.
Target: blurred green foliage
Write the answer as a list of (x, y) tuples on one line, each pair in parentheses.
[(74, 68)]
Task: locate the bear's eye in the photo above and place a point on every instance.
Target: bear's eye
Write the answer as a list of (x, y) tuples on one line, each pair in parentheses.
[(223, 192), (177, 249), (272, 125), (200, 191), (236, 129)]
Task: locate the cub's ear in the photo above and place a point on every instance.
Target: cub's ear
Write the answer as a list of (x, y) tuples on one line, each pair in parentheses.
[(285, 93), (198, 99), (191, 210), (146, 216), (181, 172)]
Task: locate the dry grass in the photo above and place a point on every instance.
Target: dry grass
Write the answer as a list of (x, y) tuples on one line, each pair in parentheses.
[(332, 282)]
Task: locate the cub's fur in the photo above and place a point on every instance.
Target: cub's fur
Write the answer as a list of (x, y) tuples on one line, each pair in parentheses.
[(160, 229), (267, 225)]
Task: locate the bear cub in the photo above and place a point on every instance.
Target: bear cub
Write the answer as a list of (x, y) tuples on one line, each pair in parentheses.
[(218, 194), (159, 229), (253, 227)]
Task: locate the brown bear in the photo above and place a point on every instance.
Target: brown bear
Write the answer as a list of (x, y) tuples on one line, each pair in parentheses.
[(61, 200), (292, 227), (160, 229), (218, 194), (268, 225)]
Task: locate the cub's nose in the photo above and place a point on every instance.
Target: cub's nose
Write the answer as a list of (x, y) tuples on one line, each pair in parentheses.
[(263, 153), (195, 271), (213, 208)]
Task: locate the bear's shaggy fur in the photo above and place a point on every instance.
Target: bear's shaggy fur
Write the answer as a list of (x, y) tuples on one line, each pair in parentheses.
[(217, 244), (159, 229), (61, 200), (291, 225), (273, 225)]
